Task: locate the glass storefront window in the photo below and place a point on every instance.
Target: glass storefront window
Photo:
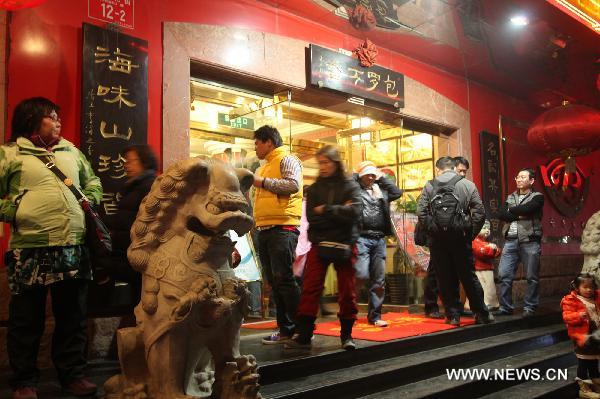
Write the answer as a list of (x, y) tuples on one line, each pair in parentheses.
[(223, 120)]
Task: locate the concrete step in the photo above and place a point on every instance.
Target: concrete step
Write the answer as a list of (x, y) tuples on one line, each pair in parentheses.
[(559, 355), (288, 365), (369, 377)]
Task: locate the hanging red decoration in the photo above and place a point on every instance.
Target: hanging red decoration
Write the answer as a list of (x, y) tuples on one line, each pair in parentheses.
[(366, 53), (362, 18), (12, 5), (566, 131)]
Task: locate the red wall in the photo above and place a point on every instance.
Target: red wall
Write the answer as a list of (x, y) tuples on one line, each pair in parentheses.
[(54, 69)]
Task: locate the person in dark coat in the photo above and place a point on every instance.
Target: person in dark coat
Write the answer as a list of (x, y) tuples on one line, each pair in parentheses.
[(377, 191), (140, 166), (333, 209), (451, 251)]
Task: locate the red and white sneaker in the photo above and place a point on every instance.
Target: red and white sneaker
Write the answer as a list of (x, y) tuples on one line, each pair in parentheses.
[(81, 387), (25, 393)]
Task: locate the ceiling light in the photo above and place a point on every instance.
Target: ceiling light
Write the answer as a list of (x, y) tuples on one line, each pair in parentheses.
[(519, 20)]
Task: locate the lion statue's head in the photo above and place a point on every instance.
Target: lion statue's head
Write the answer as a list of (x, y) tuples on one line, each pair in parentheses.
[(201, 196)]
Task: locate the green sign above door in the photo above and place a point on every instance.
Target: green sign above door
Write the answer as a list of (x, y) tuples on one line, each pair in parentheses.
[(238, 123)]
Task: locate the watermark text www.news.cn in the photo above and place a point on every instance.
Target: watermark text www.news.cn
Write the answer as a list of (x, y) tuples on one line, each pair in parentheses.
[(507, 374)]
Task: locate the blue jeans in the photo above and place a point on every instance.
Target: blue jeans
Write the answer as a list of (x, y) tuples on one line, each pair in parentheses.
[(529, 255), (370, 265)]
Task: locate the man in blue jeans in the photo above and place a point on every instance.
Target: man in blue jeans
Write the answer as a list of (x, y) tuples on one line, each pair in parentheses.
[(277, 213), (376, 193), (522, 213)]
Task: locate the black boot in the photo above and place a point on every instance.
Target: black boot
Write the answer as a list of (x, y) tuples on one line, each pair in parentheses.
[(304, 332), (305, 326), (346, 334)]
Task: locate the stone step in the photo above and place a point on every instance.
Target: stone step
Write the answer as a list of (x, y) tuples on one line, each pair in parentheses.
[(289, 365), (559, 355), (373, 376)]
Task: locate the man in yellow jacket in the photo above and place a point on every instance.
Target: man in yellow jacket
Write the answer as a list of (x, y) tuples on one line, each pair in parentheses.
[(277, 212)]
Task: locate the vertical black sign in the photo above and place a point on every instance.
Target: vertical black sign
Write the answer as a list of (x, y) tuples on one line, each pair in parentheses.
[(490, 181), (114, 110)]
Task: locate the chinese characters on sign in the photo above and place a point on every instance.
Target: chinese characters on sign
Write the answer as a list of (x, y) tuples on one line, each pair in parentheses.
[(114, 105), (238, 123), (120, 12), (490, 181), (343, 73)]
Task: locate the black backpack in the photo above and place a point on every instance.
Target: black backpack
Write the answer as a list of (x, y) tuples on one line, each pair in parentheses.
[(447, 216)]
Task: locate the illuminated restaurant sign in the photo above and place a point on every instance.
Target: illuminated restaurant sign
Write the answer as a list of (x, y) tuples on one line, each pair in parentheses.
[(342, 73), (114, 110)]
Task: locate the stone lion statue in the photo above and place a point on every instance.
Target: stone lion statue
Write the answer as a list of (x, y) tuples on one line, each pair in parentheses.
[(590, 246), (186, 342)]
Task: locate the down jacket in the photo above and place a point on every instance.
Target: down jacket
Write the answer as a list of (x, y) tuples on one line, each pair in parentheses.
[(484, 253), (578, 327), (343, 208), (42, 210)]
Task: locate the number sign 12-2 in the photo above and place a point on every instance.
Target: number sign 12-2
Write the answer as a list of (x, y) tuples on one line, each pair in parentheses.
[(120, 12)]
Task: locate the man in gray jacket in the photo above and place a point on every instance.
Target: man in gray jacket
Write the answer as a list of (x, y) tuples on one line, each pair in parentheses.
[(523, 232), (451, 249)]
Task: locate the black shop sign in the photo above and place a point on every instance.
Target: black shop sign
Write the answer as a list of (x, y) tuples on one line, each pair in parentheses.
[(114, 110)]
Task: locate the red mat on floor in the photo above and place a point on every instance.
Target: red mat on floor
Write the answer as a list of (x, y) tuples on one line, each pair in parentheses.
[(400, 325), (261, 325)]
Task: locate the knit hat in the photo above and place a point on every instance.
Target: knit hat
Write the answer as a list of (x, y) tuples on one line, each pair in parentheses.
[(366, 168)]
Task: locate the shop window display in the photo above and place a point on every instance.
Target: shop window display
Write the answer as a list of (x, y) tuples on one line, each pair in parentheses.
[(222, 124)]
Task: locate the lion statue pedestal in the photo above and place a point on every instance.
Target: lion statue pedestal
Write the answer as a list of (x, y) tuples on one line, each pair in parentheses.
[(186, 342)]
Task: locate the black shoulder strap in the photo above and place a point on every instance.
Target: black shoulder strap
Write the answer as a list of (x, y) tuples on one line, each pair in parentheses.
[(436, 184), (50, 164), (452, 182)]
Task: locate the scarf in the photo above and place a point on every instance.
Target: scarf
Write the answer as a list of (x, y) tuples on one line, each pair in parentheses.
[(374, 191), (590, 307), (37, 140)]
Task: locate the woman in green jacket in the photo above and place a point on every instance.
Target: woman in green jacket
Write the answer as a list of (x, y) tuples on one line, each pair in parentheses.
[(46, 249)]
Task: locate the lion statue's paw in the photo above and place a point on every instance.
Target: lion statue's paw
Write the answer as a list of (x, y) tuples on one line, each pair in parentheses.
[(240, 379)]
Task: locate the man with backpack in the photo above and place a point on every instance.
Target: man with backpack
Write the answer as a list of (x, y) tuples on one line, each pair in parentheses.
[(451, 209), (431, 291)]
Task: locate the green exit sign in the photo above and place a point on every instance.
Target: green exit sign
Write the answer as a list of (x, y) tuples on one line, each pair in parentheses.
[(238, 123)]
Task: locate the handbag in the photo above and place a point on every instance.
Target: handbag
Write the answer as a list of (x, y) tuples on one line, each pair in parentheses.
[(97, 235), (420, 235), (331, 251)]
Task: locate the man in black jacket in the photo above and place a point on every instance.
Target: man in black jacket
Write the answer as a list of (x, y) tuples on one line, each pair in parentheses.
[(431, 291), (523, 232), (451, 252), (376, 193)]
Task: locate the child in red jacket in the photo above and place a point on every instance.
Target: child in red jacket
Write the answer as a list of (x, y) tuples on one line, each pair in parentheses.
[(581, 313), (484, 252)]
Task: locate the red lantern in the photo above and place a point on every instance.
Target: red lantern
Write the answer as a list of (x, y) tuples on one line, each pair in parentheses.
[(12, 5), (566, 131)]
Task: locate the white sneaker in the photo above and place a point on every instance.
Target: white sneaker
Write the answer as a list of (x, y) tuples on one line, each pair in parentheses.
[(348, 344), (380, 323)]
